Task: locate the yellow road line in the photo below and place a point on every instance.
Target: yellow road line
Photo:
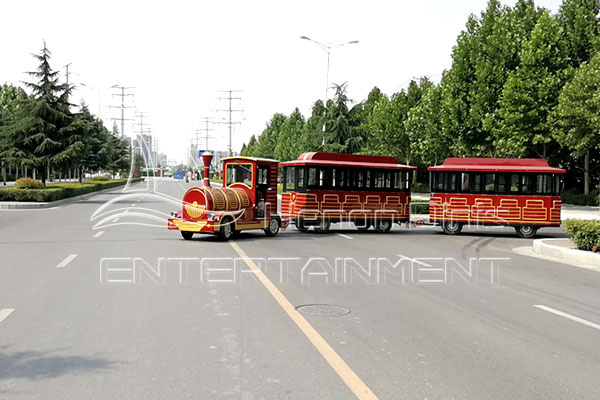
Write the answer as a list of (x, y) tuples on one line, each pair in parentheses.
[(356, 385)]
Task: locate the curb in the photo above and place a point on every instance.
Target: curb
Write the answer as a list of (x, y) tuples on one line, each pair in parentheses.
[(544, 248), (27, 205)]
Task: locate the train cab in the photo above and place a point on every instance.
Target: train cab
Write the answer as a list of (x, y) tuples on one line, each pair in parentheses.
[(247, 200)]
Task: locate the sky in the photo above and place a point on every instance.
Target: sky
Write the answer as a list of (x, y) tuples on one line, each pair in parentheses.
[(178, 55)]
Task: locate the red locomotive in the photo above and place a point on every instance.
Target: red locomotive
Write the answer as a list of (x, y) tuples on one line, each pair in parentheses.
[(524, 193), (321, 188), (247, 200)]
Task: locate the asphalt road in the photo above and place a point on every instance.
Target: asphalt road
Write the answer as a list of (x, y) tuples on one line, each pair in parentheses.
[(82, 316)]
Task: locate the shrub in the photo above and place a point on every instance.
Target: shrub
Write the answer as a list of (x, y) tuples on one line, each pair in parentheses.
[(420, 188), (419, 207), (585, 234), (39, 195), (573, 196), (28, 183), (101, 179)]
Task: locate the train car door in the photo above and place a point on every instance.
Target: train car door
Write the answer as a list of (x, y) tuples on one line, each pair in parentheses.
[(262, 185)]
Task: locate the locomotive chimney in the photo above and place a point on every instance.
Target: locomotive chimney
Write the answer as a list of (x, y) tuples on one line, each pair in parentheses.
[(207, 158)]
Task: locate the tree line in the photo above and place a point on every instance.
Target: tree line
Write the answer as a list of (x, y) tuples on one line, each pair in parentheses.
[(41, 136), (523, 83)]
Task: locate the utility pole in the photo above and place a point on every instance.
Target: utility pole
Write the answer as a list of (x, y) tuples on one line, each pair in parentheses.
[(122, 106), (206, 129), (230, 111)]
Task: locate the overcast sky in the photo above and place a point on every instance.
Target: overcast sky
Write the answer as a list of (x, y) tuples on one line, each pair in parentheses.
[(179, 54)]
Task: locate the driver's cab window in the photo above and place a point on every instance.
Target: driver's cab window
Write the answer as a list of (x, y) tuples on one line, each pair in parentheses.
[(263, 175), (239, 173)]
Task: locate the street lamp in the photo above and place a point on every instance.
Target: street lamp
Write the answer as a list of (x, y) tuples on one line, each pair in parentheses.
[(327, 49)]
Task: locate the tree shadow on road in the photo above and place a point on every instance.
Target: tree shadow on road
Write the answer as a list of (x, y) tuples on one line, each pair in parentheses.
[(37, 365)]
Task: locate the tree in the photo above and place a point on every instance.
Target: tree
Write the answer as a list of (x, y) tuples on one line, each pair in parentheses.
[(265, 147), (341, 131), (580, 25), (577, 116), (42, 126), (289, 143), (11, 100), (521, 126), (423, 123), (313, 129)]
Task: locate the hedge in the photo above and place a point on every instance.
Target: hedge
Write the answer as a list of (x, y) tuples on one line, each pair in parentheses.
[(419, 207), (59, 191), (585, 234), (43, 195), (573, 196)]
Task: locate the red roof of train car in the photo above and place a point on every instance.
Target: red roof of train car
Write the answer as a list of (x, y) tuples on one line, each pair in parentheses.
[(347, 160), (497, 165)]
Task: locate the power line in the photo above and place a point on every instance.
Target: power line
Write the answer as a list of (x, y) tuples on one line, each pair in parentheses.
[(230, 111), (206, 129)]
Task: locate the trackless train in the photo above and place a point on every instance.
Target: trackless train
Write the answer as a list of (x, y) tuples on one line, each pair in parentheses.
[(369, 191)]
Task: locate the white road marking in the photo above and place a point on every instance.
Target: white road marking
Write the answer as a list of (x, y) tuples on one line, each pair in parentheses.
[(345, 236), (133, 205), (66, 261), (568, 316), (414, 260), (97, 235), (115, 220), (125, 212), (5, 312)]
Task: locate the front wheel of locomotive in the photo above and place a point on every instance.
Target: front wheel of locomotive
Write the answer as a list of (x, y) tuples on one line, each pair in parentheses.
[(451, 227), (526, 231), (273, 228), (226, 229), (187, 235)]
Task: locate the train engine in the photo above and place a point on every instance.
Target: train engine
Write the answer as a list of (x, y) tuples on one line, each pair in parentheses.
[(247, 200)]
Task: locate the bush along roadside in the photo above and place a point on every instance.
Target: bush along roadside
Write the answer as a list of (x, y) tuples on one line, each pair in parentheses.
[(572, 196), (419, 207), (585, 234), (59, 191)]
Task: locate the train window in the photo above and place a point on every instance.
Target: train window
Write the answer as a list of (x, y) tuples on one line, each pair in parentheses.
[(290, 178), (514, 184), (321, 177), (544, 184), (312, 176), (360, 178), (407, 181), (464, 182), (438, 182), (489, 182), (398, 180), (368, 182), (300, 180), (388, 180), (558, 185), (501, 183), (263, 175), (333, 176), (526, 184), (342, 175), (475, 186), (450, 182), (379, 179), (239, 173)]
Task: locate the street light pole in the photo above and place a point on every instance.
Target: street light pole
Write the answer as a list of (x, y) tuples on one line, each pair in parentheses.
[(327, 49)]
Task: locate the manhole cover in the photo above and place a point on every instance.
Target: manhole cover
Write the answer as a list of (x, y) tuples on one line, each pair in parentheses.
[(323, 310)]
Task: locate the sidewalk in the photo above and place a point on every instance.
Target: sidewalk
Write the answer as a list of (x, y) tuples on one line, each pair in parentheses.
[(569, 211)]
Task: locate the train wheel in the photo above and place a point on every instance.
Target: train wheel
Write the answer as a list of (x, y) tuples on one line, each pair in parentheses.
[(526, 231), (273, 228), (324, 226), (452, 227), (226, 229), (300, 225), (383, 225), (187, 235)]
